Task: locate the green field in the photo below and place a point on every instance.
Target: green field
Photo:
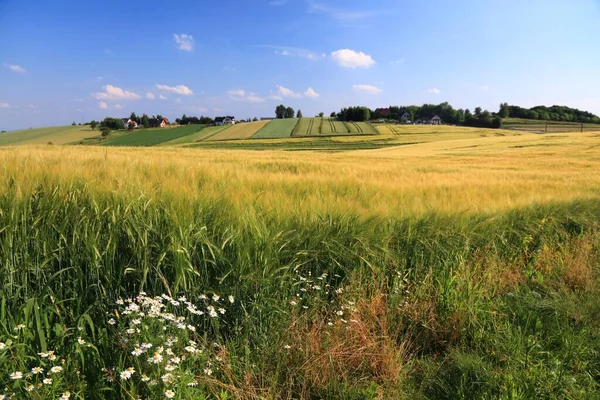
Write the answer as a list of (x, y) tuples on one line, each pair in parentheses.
[(538, 126), (150, 137), (278, 128), (54, 135), (333, 127), (238, 131), (204, 134), (307, 127)]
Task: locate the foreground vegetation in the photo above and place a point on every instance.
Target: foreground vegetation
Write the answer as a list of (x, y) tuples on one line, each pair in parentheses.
[(464, 268)]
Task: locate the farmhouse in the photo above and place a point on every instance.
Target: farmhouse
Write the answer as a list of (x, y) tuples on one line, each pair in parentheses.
[(228, 120), (158, 122), (405, 118), (384, 112), (128, 122), (435, 120)]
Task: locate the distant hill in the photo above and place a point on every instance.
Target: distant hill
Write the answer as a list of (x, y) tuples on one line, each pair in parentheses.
[(553, 113)]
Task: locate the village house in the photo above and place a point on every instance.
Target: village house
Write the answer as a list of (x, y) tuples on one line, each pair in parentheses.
[(158, 122), (228, 120), (383, 112), (405, 118)]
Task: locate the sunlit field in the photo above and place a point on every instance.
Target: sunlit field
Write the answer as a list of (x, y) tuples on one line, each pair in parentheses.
[(459, 263)]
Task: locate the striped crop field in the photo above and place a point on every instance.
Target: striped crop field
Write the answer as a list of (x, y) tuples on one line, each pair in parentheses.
[(360, 128), (308, 127), (238, 131), (151, 137), (278, 128), (204, 134), (54, 135)]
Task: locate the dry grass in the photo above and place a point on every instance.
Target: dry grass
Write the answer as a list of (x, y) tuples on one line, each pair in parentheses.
[(361, 349)]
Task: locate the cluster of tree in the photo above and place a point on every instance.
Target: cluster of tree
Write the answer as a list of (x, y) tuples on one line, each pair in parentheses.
[(282, 112), (356, 114), (554, 113), (448, 114), (185, 120)]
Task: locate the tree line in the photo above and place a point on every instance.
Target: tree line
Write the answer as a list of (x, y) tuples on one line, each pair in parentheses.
[(554, 113)]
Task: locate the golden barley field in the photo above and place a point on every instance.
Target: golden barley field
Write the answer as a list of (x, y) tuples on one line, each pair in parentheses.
[(481, 174)]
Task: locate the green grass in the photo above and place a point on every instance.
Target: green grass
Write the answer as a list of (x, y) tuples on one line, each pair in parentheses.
[(152, 137), (307, 127), (278, 128)]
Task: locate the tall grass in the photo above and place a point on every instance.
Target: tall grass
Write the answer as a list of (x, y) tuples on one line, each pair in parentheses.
[(336, 295)]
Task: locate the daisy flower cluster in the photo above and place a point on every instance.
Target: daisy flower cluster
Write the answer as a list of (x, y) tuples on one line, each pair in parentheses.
[(44, 378), (165, 346)]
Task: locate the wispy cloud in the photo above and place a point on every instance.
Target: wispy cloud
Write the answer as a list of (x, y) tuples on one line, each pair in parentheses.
[(370, 89), (242, 95), (102, 105), (288, 51), (162, 97), (434, 91), (201, 109), (16, 68), (311, 93), (4, 105), (346, 15), (348, 58), (108, 51), (150, 96), (115, 93), (285, 92), (180, 89), (184, 42), (118, 106)]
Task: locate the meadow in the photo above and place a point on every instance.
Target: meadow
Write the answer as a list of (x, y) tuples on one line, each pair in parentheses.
[(437, 264)]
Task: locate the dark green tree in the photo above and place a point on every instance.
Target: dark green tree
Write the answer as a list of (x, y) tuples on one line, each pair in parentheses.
[(93, 124), (104, 131), (280, 111), (299, 114), (145, 121), (289, 112), (321, 114)]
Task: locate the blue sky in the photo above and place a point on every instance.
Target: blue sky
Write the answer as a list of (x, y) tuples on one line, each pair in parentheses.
[(64, 61)]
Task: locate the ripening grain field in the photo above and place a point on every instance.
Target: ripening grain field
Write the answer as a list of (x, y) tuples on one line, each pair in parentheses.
[(462, 268)]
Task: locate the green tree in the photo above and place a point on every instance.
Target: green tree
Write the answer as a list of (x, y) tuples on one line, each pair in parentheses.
[(322, 114), (504, 110), (145, 121), (134, 117), (73, 124), (289, 112), (254, 119), (280, 111), (299, 114), (104, 131), (93, 124)]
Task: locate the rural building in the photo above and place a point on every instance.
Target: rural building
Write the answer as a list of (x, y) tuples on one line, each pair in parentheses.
[(228, 120), (405, 118), (384, 112), (127, 122), (158, 122), (436, 120)]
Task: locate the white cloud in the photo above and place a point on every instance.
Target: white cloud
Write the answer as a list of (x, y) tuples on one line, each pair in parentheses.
[(285, 92), (4, 105), (242, 95), (180, 89), (16, 68), (347, 58), (150, 96), (310, 92), (217, 110), (273, 97), (370, 89), (118, 106), (102, 105), (201, 109), (115, 93), (162, 97), (433, 91), (177, 100), (184, 42)]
